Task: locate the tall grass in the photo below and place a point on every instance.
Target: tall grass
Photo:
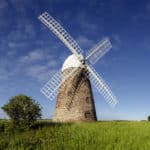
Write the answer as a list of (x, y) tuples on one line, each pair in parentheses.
[(79, 136)]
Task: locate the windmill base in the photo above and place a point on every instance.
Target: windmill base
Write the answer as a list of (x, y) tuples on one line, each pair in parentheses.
[(75, 101)]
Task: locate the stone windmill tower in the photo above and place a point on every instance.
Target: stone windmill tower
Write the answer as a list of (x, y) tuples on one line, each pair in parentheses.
[(72, 83), (75, 99)]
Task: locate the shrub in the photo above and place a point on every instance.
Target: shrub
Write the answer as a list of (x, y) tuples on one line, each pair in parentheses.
[(148, 118), (22, 110)]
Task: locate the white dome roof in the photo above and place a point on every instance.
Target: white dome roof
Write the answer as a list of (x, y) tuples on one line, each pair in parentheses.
[(70, 62)]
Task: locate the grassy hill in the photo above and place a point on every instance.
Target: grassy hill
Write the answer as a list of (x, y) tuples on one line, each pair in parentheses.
[(103, 135)]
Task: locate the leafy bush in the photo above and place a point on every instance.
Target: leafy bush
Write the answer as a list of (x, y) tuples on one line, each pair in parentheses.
[(22, 110), (148, 118)]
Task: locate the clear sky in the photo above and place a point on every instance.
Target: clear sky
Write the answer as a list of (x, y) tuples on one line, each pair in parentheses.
[(30, 54)]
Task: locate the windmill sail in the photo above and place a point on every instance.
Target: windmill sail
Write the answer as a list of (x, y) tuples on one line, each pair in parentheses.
[(61, 33), (101, 86), (98, 51), (50, 89)]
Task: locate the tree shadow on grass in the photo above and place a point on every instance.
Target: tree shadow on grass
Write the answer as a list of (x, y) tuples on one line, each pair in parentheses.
[(49, 123)]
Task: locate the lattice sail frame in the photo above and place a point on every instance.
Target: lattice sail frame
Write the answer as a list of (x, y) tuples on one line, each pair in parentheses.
[(100, 85), (50, 89), (98, 51), (61, 33)]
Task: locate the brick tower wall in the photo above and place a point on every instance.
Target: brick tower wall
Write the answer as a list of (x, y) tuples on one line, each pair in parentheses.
[(75, 99)]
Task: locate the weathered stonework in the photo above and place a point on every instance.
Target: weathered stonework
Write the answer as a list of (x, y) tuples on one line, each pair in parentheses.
[(75, 100)]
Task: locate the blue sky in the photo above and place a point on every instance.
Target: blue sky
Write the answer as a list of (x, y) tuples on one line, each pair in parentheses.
[(30, 54)]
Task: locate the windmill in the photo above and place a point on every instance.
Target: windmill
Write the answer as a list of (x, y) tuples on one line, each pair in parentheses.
[(76, 70)]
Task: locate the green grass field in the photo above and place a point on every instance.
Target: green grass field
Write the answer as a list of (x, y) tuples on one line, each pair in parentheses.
[(78, 136)]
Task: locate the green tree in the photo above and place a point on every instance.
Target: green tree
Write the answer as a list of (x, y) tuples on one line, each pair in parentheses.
[(148, 118), (22, 110)]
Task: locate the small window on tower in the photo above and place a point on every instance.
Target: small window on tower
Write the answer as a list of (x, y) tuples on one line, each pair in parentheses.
[(88, 100), (87, 114), (70, 93)]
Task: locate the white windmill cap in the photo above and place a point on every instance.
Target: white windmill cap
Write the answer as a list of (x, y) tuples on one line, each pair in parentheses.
[(71, 62)]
